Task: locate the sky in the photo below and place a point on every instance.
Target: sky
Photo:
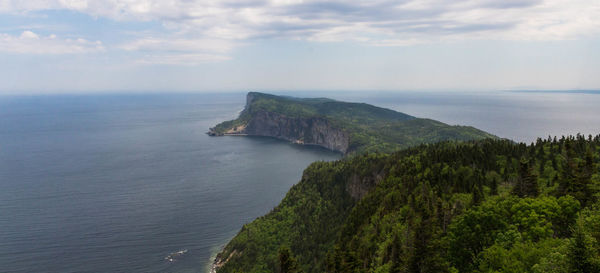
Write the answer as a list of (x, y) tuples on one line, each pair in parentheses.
[(79, 46)]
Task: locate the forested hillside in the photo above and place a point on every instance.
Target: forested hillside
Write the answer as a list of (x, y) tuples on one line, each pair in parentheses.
[(483, 206), (341, 126)]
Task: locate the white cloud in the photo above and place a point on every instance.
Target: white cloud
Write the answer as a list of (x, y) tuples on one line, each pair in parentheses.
[(31, 43), (217, 27), (337, 20)]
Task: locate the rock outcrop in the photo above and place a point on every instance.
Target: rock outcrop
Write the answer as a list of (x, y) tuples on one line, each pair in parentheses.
[(358, 186), (345, 127), (313, 131), (308, 131)]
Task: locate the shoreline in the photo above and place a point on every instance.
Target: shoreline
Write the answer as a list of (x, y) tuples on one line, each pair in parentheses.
[(211, 267), (294, 142)]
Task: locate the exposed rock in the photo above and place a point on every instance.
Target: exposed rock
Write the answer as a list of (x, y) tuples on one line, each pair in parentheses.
[(358, 186), (220, 262), (212, 132), (307, 131), (249, 98), (315, 131), (236, 130)]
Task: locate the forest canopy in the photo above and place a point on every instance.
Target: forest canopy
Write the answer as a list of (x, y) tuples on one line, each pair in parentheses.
[(479, 206)]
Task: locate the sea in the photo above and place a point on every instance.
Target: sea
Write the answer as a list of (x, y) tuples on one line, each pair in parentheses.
[(132, 183)]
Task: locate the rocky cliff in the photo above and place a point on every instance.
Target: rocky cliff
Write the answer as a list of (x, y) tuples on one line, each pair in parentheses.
[(346, 127), (301, 130), (314, 131)]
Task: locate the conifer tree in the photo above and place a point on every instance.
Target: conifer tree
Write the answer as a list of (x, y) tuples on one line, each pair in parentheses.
[(494, 186), (527, 185), (531, 183), (581, 257), (569, 169), (581, 185), (477, 194), (577, 176), (287, 263)]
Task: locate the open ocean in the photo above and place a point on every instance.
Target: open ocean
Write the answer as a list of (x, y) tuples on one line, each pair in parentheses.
[(117, 183)]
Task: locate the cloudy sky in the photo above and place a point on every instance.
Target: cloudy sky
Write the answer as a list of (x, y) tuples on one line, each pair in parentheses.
[(185, 45)]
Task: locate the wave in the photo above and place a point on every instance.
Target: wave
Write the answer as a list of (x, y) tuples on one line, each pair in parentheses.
[(173, 256)]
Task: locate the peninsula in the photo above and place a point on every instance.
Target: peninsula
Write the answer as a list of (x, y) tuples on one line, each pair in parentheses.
[(340, 126)]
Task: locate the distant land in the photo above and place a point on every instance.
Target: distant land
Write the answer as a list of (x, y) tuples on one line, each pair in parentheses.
[(576, 91), (340, 126)]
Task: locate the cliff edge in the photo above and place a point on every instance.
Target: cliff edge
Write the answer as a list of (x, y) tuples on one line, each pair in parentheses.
[(340, 126)]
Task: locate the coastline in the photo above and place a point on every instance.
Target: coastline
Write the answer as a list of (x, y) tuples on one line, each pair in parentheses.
[(212, 266)]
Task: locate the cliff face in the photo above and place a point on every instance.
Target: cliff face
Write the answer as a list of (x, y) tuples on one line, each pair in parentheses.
[(315, 131), (340, 126), (310, 131)]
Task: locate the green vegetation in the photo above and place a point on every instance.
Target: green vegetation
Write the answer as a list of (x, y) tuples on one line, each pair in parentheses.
[(486, 205), (370, 128), (480, 206)]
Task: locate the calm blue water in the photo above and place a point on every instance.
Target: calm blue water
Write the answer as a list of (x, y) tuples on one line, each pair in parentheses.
[(115, 183)]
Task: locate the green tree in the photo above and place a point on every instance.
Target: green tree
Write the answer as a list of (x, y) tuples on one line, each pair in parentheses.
[(581, 256), (527, 185), (494, 186), (524, 257), (287, 262)]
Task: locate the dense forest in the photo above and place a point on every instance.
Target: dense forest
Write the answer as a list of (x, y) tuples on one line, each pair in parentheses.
[(480, 206), (369, 128)]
